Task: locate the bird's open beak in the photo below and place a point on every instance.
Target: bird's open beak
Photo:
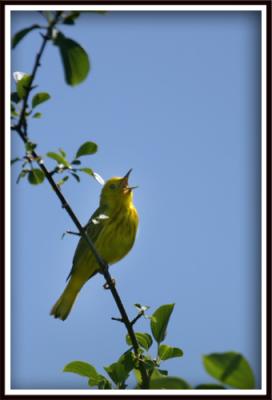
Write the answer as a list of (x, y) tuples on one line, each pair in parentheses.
[(124, 181)]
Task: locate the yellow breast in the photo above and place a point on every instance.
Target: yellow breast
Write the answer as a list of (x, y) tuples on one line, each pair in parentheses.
[(118, 235)]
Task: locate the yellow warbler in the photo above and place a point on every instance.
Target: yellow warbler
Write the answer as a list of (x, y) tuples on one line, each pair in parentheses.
[(112, 228)]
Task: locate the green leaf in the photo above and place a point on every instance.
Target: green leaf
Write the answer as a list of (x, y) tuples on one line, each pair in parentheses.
[(35, 176), (86, 149), (14, 160), (149, 363), (156, 374), (144, 340), (21, 34), (14, 97), (138, 376), (76, 162), (209, 386), (104, 384), (81, 368), (117, 372), (101, 381), (13, 111), (59, 158), (23, 85), (230, 368), (70, 19), (87, 171), (74, 59), (77, 178), (128, 360), (22, 174), (163, 372), (37, 115), (166, 352), (62, 181), (40, 98), (62, 152), (168, 382), (159, 321), (48, 15), (30, 146)]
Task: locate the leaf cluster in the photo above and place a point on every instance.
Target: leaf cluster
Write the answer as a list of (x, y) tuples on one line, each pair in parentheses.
[(229, 369), (63, 166)]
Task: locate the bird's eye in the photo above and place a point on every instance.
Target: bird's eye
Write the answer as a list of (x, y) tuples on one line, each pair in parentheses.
[(112, 186)]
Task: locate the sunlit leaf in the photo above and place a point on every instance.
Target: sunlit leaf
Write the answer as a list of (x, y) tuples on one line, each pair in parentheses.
[(166, 352), (18, 75), (37, 115), (128, 360), (230, 368), (117, 372), (81, 368), (21, 34), (74, 58), (23, 85), (159, 321), (86, 149), (22, 174), (99, 380), (87, 171), (99, 178), (62, 152), (144, 340), (62, 181), (40, 98), (59, 158)]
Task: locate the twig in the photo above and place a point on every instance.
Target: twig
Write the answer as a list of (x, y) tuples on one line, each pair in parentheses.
[(136, 318), (73, 233), (21, 129), (117, 319)]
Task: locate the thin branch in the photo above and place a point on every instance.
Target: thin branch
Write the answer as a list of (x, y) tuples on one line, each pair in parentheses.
[(46, 38), (136, 318), (73, 233), (117, 319), (21, 129)]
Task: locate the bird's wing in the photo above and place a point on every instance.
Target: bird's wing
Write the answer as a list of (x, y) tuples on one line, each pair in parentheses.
[(93, 229)]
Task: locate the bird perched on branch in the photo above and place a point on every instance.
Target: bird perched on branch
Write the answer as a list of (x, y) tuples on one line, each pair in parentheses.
[(112, 229)]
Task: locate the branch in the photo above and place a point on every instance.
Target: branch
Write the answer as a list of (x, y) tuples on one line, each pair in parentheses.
[(21, 129)]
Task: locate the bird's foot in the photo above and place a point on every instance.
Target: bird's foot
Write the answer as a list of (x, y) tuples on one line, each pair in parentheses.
[(107, 286)]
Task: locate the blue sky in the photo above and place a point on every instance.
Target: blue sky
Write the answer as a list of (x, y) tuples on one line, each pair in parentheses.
[(176, 97)]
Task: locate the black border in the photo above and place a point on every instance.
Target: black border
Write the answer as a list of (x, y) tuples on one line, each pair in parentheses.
[(4, 73)]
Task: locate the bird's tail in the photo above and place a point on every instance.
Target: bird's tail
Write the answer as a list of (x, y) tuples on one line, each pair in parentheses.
[(64, 304)]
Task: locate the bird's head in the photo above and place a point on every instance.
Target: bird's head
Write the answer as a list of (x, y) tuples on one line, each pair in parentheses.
[(117, 192)]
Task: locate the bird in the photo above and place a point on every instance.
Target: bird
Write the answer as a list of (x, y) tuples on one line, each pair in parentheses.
[(112, 229)]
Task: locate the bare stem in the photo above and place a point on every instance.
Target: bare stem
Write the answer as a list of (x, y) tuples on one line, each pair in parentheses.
[(21, 129)]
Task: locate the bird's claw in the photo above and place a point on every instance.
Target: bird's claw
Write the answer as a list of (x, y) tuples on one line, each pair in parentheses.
[(107, 286)]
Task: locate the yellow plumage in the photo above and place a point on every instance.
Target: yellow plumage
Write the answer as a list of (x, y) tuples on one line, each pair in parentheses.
[(112, 229)]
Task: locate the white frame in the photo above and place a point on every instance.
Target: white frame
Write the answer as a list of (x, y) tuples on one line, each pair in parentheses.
[(253, 392)]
